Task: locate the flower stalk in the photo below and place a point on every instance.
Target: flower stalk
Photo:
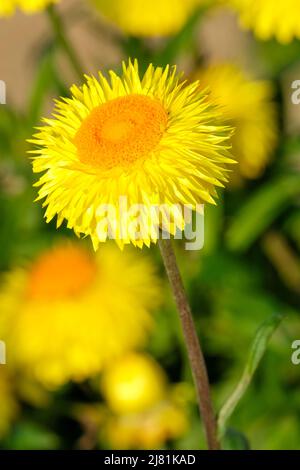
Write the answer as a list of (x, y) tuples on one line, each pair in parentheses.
[(193, 346), (62, 40)]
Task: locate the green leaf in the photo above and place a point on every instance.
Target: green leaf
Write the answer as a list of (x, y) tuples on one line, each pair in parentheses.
[(31, 436), (278, 57), (261, 210), (213, 226), (257, 351), (181, 42), (235, 440), (136, 47), (43, 83), (292, 226)]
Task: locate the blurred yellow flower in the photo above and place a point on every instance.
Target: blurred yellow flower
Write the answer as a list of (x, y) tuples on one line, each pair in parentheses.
[(8, 403), (155, 18), (248, 106), (133, 384), (155, 141), (145, 410), (8, 7), (269, 18), (149, 430), (70, 314)]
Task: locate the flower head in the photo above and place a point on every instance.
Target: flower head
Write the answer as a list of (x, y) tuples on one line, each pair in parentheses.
[(153, 144), (140, 18), (8, 7), (269, 19), (70, 314), (134, 384), (145, 410), (248, 106)]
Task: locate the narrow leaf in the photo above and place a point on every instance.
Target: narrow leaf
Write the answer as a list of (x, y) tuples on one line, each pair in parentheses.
[(261, 210), (42, 84), (181, 41), (235, 440), (257, 351)]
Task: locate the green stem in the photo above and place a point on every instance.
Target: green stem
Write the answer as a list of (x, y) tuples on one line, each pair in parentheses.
[(192, 342), (63, 41)]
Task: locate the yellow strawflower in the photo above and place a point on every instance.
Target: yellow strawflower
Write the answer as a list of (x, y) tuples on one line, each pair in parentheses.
[(70, 314), (248, 106), (142, 143), (150, 430), (9, 7), (140, 18), (145, 410), (133, 384), (269, 18)]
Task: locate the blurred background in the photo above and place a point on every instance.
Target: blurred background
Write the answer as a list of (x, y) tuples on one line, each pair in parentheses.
[(95, 358)]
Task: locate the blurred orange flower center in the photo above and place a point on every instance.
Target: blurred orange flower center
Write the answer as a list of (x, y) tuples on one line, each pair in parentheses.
[(121, 131), (63, 272)]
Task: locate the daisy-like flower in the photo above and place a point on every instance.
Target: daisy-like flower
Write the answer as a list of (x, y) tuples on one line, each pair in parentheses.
[(248, 106), (8, 7), (269, 18), (149, 430), (69, 314), (122, 157), (145, 410), (134, 384), (140, 18)]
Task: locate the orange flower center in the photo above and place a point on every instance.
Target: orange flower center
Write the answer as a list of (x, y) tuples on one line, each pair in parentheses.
[(63, 272), (121, 131)]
